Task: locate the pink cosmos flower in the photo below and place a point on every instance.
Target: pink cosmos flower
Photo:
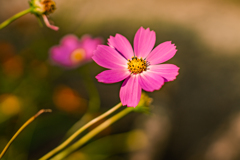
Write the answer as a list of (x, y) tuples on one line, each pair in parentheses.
[(73, 52), (140, 67)]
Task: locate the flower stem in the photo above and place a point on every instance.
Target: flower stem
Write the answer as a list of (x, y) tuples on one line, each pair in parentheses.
[(92, 133), (13, 18), (72, 137), (22, 128), (94, 100)]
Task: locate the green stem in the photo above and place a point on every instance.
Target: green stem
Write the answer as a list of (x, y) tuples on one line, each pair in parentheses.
[(21, 129), (94, 99), (72, 137), (93, 133), (13, 18)]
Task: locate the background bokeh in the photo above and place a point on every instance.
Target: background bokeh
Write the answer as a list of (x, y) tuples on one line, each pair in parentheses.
[(195, 117)]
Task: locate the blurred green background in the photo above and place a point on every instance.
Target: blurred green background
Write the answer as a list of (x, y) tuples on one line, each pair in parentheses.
[(195, 117)]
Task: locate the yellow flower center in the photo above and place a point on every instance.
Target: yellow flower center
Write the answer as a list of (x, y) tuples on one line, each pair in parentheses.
[(78, 55), (137, 65)]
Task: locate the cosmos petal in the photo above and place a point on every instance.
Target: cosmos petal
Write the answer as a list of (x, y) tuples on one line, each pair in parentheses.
[(70, 41), (90, 44), (149, 81), (130, 92), (121, 44), (60, 55), (144, 41), (112, 76), (108, 57), (162, 53), (167, 71)]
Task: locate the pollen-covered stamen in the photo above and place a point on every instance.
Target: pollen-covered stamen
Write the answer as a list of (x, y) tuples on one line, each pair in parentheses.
[(137, 65), (49, 6)]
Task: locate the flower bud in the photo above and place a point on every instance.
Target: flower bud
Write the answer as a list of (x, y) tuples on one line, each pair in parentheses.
[(144, 104), (43, 6)]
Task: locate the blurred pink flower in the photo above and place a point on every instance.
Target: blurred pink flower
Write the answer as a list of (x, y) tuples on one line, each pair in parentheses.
[(73, 52), (140, 68)]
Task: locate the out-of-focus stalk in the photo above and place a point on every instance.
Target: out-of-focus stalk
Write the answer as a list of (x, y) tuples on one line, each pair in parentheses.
[(72, 137), (40, 8), (22, 128), (94, 100), (92, 133), (13, 18)]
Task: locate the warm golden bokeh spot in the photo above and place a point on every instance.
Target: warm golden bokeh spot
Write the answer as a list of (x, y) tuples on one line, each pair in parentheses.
[(13, 66), (9, 104), (7, 51), (137, 140), (40, 68), (78, 55), (78, 155), (68, 100)]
